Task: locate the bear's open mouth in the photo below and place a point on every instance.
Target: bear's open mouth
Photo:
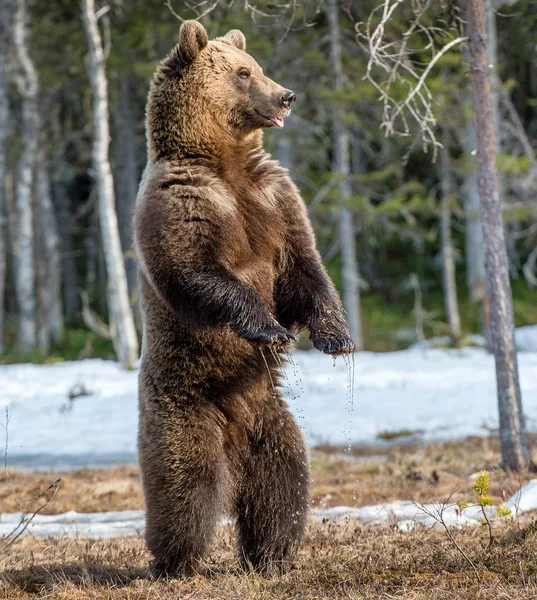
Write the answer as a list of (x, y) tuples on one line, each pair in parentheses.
[(278, 121)]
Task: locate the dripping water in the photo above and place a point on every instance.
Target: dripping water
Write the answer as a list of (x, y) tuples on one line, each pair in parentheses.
[(268, 370), (296, 374), (349, 407), (295, 396)]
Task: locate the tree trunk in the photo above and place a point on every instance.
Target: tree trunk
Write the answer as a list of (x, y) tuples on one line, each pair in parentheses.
[(121, 319), (492, 53), (51, 252), (128, 177), (448, 258), (43, 335), (11, 242), (40, 235), (60, 190), (512, 227), (25, 267), (475, 243), (5, 27), (513, 436), (341, 166)]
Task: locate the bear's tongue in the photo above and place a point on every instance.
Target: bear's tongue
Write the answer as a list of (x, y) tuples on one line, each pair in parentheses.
[(277, 121)]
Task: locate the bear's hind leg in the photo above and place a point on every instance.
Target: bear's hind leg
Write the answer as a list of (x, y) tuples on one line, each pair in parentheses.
[(185, 481), (273, 500)]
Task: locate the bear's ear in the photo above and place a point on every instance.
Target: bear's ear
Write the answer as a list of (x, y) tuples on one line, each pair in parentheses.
[(192, 39), (235, 38)]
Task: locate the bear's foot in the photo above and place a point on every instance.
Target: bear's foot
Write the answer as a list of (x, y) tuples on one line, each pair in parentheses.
[(332, 343), (168, 569)]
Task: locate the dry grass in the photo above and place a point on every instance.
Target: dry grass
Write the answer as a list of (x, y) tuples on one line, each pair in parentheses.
[(336, 561), (84, 490), (356, 479), (409, 472)]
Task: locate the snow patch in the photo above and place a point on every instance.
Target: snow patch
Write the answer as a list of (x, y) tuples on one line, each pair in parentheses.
[(526, 338), (442, 393), (406, 515)]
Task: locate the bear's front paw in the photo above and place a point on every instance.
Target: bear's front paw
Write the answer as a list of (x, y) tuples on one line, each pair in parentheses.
[(332, 343), (270, 335)]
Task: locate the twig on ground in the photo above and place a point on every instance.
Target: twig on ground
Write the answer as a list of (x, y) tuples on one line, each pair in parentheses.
[(438, 516), (24, 522)]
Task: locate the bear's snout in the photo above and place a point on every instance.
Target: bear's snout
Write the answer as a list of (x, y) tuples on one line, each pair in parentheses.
[(288, 98)]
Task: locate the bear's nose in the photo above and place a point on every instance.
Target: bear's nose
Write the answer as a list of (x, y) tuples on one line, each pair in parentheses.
[(288, 98)]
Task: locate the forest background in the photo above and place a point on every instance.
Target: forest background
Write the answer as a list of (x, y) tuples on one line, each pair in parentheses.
[(410, 212)]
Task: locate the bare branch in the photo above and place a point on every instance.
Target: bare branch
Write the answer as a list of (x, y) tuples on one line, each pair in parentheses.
[(518, 130), (102, 11), (172, 10), (25, 521), (107, 47), (92, 320), (529, 269), (404, 66)]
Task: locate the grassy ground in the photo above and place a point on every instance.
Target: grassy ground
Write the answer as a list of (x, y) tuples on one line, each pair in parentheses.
[(336, 561), (368, 475)]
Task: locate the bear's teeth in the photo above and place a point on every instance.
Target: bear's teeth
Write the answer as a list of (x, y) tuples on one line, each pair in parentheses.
[(278, 121)]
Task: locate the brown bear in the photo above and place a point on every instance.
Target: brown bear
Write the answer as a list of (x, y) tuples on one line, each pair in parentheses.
[(228, 274)]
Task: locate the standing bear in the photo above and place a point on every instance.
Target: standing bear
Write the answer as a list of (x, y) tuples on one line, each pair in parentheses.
[(228, 274)]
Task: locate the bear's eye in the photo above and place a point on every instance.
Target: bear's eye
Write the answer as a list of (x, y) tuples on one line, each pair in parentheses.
[(244, 73)]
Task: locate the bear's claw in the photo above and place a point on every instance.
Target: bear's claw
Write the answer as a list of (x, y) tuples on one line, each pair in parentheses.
[(273, 335), (333, 345)]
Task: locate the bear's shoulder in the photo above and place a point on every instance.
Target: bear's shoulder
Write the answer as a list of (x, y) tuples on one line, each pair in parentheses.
[(181, 178), (171, 190)]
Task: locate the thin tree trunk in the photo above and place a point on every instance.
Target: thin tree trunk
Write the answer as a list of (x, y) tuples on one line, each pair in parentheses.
[(121, 318), (25, 267), (11, 241), (351, 277), (6, 9), (3, 253), (475, 242), (448, 257), (128, 178), (43, 337), (51, 252), (68, 265), (513, 436), (512, 227), (492, 53)]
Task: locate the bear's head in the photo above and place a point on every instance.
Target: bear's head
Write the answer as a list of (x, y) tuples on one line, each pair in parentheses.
[(208, 94)]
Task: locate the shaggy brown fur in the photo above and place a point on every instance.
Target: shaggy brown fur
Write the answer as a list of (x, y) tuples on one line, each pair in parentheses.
[(228, 270)]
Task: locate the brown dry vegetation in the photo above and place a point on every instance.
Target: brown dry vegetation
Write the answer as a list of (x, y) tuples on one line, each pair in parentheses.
[(336, 561), (365, 476)]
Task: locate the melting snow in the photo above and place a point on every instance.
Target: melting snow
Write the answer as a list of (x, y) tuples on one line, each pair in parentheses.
[(405, 515), (443, 393)]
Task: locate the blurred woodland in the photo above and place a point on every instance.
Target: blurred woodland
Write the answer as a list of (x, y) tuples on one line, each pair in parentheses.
[(401, 234)]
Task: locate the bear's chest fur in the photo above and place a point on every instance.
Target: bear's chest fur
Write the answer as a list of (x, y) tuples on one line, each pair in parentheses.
[(238, 215), (255, 241)]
